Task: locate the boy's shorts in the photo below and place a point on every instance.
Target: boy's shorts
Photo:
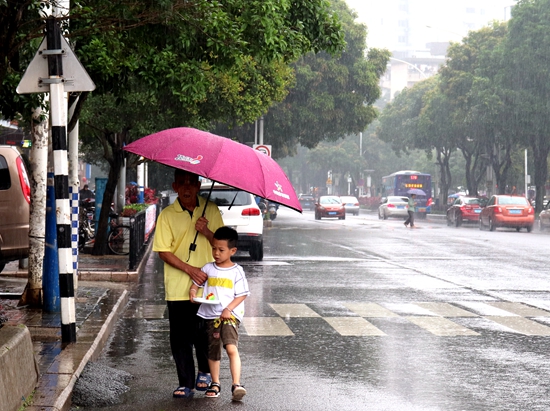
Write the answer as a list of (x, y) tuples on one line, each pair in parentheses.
[(224, 333)]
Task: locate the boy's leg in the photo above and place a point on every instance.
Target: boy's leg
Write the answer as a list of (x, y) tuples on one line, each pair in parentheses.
[(214, 357), (234, 362), (214, 370)]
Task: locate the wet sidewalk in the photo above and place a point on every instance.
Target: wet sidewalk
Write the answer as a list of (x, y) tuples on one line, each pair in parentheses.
[(102, 295)]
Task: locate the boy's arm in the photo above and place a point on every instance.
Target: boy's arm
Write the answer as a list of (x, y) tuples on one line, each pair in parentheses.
[(193, 292), (226, 313)]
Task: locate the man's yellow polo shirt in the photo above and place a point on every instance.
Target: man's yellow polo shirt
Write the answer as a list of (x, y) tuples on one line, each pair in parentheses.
[(175, 231)]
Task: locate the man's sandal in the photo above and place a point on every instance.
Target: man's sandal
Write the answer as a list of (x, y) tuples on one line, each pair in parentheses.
[(183, 392), (238, 392), (204, 379), (213, 390)]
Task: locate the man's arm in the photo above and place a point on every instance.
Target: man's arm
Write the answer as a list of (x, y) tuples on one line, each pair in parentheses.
[(195, 273)]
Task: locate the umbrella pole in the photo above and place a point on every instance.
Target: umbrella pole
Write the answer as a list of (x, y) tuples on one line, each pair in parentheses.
[(193, 245)]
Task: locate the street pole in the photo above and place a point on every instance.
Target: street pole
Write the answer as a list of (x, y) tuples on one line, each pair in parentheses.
[(526, 175), (58, 117)]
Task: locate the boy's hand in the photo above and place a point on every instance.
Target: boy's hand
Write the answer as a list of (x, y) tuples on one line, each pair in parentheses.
[(226, 314)]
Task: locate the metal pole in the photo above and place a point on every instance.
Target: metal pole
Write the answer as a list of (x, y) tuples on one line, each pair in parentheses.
[(74, 185), (261, 130), (526, 175), (61, 178)]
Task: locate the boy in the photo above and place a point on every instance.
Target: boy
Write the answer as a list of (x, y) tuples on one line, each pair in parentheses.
[(227, 284)]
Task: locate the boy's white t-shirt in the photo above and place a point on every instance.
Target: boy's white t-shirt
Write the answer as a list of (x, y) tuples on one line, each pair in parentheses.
[(225, 284)]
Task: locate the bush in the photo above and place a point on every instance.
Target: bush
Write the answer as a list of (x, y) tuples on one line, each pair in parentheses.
[(131, 210), (370, 203)]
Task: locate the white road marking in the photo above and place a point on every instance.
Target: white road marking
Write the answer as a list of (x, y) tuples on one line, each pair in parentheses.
[(441, 326), (266, 326), (293, 310), (353, 326)]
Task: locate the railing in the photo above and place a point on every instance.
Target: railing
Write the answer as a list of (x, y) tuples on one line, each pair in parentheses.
[(142, 228)]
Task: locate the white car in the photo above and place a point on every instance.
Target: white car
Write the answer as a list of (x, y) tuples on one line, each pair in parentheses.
[(239, 211), (351, 204), (393, 206)]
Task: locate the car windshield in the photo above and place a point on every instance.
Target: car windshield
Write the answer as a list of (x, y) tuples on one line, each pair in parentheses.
[(227, 197), (512, 201), (471, 201), (330, 200)]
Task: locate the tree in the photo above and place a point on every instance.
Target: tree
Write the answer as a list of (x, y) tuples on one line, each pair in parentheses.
[(526, 81), (213, 61), (477, 110), (330, 97)]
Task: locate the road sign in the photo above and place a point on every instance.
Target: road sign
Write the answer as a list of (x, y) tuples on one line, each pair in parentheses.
[(75, 77), (264, 148)]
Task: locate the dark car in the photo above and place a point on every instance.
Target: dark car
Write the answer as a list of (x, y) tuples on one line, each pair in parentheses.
[(330, 206), (307, 201), (462, 210)]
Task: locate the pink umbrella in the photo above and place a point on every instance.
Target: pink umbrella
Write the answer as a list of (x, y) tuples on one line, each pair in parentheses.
[(219, 159)]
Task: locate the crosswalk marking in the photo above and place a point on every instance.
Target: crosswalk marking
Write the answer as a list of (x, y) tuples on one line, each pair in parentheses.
[(522, 325), (520, 309), (430, 316), (293, 310), (353, 326), (372, 310), (266, 326), (441, 326), (446, 310), (485, 309)]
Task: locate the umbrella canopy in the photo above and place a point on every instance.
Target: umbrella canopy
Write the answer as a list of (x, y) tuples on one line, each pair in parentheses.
[(416, 191), (219, 159)]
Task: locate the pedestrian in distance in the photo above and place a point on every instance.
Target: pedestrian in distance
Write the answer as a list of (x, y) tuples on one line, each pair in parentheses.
[(86, 193), (226, 284), (177, 226), (411, 208)]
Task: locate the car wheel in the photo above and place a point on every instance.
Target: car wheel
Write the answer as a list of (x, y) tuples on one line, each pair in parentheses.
[(491, 224), (458, 221), (257, 251), (529, 228)]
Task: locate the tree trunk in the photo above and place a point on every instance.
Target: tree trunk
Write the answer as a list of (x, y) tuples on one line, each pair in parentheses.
[(116, 160), (32, 295), (541, 174)]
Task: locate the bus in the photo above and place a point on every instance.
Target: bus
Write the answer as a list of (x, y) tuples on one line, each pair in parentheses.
[(400, 182)]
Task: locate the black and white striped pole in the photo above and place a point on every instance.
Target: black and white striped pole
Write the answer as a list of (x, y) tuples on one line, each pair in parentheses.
[(58, 116)]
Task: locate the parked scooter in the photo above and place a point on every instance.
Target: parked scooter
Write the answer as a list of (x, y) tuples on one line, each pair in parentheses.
[(86, 233)]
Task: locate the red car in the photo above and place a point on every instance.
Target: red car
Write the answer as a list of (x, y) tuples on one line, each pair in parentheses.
[(464, 209), (507, 211), (330, 206)]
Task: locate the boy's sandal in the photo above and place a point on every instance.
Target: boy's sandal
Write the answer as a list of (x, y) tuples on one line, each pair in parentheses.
[(203, 379), (238, 392), (213, 390), (183, 392)]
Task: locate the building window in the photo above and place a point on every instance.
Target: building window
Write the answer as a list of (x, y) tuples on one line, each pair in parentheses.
[(403, 23), (470, 10), (402, 39)]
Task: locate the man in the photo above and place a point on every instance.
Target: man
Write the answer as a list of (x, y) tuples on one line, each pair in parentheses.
[(175, 232), (86, 193)]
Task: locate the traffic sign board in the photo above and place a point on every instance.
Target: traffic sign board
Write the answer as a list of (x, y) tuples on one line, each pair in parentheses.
[(75, 77), (264, 148)]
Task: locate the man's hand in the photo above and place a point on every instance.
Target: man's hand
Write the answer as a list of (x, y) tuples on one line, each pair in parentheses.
[(197, 275), (202, 226)]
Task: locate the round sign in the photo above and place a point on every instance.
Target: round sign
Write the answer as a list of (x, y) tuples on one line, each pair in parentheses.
[(264, 149)]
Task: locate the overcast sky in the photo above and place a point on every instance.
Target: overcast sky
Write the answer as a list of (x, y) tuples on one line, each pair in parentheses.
[(440, 15)]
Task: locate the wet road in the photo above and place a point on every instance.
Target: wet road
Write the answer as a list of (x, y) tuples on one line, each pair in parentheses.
[(365, 314)]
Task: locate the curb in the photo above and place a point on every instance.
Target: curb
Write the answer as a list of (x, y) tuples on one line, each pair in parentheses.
[(94, 334)]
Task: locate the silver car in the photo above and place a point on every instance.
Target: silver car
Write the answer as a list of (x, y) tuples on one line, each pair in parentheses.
[(351, 204), (393, 206)]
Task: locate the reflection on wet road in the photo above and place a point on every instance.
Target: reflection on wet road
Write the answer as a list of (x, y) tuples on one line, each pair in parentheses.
[(364, 314)]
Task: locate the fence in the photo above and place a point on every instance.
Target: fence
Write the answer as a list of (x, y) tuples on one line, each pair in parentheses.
[(142, 229)]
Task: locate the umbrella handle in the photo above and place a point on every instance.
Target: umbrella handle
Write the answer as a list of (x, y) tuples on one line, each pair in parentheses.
[(193, 245)]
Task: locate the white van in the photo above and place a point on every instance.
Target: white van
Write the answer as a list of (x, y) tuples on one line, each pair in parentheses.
[(15, 198), (239, 211)]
